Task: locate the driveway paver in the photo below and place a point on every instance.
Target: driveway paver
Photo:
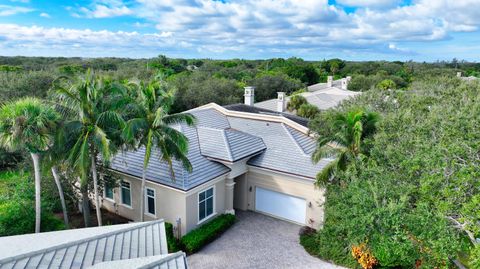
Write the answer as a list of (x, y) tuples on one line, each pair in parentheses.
[(257, 241)]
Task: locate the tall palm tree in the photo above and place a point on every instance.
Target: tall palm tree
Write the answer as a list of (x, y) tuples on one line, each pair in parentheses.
[(151, 128), (346, 142), (56, 156), (28, 123), (92, 104)]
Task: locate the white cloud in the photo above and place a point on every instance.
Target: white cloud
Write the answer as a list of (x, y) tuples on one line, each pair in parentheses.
[(281, 27), (369, 3), (6, 10), (44, 15)]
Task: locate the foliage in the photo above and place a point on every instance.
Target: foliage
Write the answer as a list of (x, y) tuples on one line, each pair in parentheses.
[(267, 85), (308, 111), (18, 217), (474, 261), (387, 84), (412, 198), (347, 142), (364, 256), (10, 68), (172, 241), (17, 211), (295, 102), (199, 237)]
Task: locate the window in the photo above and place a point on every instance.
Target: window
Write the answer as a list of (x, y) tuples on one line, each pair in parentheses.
[(205, 204), (108, 191), (126, 193), (150, 201)]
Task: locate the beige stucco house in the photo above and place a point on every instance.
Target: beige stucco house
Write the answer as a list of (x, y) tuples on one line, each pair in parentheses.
[(243, 158)]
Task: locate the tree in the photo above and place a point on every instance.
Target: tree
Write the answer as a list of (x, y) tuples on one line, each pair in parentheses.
[(92, 104), (295, 102), (308, 111), (30, 124), (151, 128), (387, 84), (345, 143)]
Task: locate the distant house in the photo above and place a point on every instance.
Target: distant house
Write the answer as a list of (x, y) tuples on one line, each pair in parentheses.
[(243, 158), (322, 95), (470, 78), (133, 245)]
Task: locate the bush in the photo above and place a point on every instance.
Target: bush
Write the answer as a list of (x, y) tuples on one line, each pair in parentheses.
[(18, 217), (196, 239), (308, 111), (387, 84), (172, 242), (295, 102)]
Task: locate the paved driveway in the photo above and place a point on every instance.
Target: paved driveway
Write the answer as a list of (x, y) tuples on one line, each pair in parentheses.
[(257, 241)]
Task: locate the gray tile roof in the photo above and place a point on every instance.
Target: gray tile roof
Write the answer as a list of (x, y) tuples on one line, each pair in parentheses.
[(218, 135), (131, 162), (171, 261), (288, 150), (82, 248), (228, 144), (259, 110), (324, 98)]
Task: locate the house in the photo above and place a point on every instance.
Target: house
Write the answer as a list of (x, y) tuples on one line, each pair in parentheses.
[(132, 245), (322, 95), (469, 78), (243, 158)]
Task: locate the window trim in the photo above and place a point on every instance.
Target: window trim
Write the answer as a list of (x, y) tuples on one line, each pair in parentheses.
[(214, 211), (154, 201), (105, 194), (121, 193)]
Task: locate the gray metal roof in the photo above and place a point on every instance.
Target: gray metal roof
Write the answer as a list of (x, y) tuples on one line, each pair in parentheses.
[(171, 261), (131, 162), (288, 150), (259, 110), (228, 144), (81, 248)]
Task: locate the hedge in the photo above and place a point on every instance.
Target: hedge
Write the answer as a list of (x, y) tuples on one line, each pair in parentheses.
[(197, 238), (172, 242)]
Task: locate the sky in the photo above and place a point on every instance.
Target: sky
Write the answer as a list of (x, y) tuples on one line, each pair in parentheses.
[(419, 30)]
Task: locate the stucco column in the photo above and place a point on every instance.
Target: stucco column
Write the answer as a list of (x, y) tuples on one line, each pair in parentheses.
[(229, 187)]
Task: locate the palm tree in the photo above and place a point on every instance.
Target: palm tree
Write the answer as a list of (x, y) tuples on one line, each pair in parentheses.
[(56, 157), (151, 127), (28, 123), (92, 103), (346, 143)]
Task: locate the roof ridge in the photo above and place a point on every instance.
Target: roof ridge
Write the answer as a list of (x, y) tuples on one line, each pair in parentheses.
[(166, 258), (185, 178), (229, 151), (295, 140)]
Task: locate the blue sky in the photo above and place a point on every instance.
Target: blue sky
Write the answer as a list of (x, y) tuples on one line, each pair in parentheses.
[(421, 30)]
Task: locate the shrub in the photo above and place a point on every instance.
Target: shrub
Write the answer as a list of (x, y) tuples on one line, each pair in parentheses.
[(197, 238), (172, 241), (387, 84), (308, 111), (18, 217), (295, 102)]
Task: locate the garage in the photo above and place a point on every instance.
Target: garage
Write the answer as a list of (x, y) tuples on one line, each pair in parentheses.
[(280, 205)]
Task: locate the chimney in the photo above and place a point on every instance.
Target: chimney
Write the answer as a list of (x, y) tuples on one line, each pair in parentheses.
[(281, 102), (329, 81), (459, 74), (249, 95), (344, 83)]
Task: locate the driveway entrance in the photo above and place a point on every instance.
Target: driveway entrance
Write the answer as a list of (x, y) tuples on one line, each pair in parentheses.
[(257, 241)]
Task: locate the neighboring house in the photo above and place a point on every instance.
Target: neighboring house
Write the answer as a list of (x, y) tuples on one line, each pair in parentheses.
[(322, 95), (243, 158), (133, 245)]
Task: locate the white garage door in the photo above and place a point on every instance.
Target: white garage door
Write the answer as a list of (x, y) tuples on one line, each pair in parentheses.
[(280, 204)]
